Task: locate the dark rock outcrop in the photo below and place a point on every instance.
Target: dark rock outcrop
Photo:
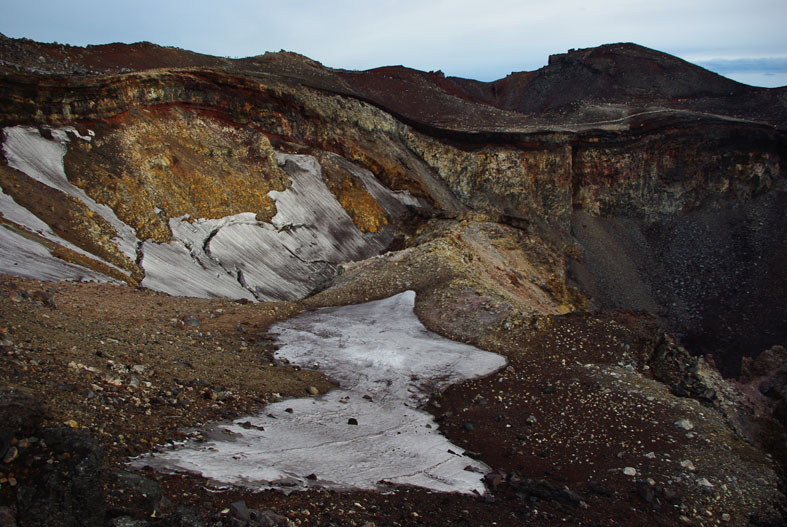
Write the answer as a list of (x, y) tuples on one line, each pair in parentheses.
[(68, 492)]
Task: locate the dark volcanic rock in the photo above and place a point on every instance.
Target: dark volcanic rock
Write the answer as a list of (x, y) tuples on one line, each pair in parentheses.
[(675, 367), (20, 414), (68, 492), (143, 494)]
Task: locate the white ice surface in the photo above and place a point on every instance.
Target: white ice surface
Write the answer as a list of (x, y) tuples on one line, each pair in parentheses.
[(42, 159), (283, 260), (386, 362), (265, 263), (321, 229), (24, 257), (173, 269)]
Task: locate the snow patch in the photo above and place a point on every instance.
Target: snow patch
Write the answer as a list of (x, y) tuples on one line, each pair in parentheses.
[(22, 256), (42, 160), (15, 213), (321, 227), (386, 362), (283, 260), (173, 269)]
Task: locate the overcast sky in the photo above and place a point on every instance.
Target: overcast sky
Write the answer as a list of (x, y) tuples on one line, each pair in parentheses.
[(477, 39)]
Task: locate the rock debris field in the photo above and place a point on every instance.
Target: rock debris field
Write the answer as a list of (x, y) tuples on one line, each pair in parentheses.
[(580, 434)]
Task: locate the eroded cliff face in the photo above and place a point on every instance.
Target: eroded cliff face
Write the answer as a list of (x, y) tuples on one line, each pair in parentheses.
[(173, 147), (200, 143), (150, 165)]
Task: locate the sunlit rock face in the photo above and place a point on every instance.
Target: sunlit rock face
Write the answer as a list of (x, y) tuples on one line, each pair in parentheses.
[(368, 433), (155, 164)]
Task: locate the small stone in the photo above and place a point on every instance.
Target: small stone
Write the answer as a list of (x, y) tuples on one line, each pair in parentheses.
[(630, 471), (289, 410), (71, 423), (12, 481), (688, 465), (650, 455), (190, 321), (684, 424), (11, 455), (469, 426), (240, 511), (352, 421), (702, 482), (313, 390), (44, 298)]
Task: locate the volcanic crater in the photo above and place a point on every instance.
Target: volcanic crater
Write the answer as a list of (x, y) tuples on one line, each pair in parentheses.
[(611, 226)]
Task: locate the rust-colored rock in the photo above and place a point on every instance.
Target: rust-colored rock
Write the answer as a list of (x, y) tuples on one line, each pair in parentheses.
[(151, 165)]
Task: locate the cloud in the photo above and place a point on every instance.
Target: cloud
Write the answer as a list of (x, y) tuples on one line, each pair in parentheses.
[(771, 65)]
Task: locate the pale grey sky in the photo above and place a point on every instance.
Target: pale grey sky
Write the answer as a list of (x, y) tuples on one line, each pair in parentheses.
[(475, 39)]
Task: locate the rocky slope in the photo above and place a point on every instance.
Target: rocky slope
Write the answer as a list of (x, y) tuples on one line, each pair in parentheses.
[(564, 218)]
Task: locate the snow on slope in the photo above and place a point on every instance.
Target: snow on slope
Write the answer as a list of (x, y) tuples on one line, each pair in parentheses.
[(233, 257), (42, 159), (19, 215), (283, 260), (386, 362), (22, 256), (322, 229)]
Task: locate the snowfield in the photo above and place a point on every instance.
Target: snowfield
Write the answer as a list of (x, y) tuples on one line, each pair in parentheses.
[(369, 433)]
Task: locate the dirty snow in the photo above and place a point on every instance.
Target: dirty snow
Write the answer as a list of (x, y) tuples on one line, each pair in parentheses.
[(42, 159), (387, 363)]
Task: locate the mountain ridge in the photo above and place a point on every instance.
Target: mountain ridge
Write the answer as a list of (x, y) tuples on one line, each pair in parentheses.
[(431, 98)]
